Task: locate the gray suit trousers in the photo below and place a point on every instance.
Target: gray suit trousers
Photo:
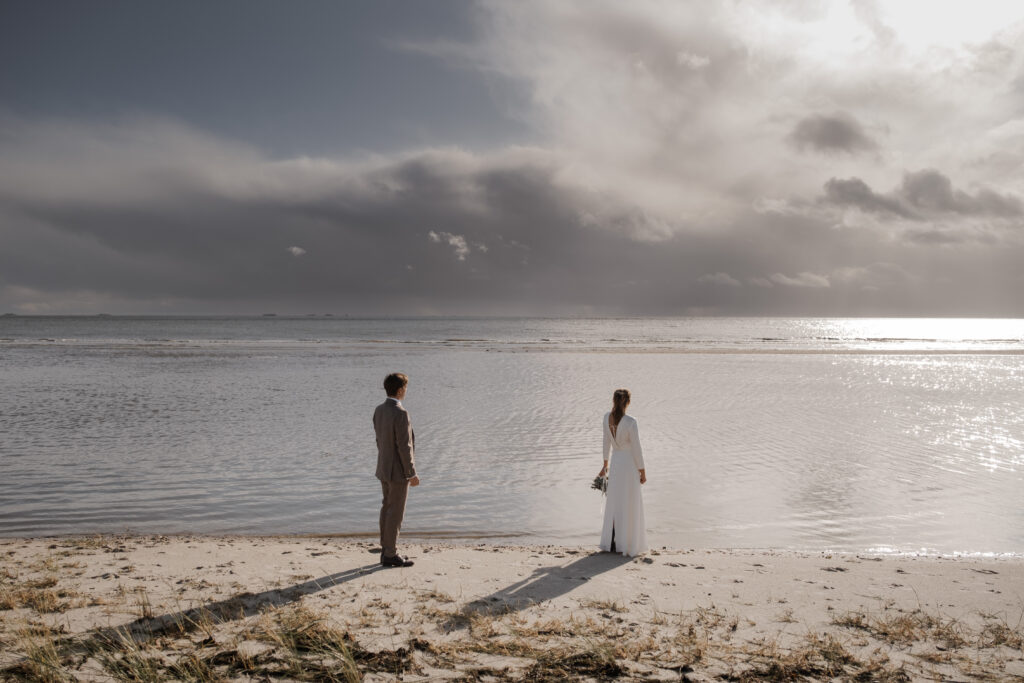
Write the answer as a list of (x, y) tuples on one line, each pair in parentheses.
[(392, 511)]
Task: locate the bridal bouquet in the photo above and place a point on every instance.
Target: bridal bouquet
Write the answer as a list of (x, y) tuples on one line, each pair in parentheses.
[(600, 484)]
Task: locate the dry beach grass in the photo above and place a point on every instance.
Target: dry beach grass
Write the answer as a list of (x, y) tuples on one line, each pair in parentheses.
[(236, 608)]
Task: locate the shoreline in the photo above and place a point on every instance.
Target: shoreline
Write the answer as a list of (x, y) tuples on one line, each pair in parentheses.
[(236, 607), (513, 540)]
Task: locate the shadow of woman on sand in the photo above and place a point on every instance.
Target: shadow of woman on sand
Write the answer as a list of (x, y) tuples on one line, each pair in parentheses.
[(544, 583)]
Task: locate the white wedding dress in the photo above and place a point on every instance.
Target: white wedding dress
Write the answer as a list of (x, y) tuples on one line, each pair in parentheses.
[(624, 504)]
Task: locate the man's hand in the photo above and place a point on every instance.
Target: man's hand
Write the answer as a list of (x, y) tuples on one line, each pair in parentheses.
[(415, 481)]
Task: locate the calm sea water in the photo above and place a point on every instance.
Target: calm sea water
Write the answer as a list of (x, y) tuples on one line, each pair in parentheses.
[(898, 435)]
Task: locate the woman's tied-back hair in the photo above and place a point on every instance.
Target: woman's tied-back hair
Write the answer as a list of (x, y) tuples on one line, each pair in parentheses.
[(620, 399), (394, 382)]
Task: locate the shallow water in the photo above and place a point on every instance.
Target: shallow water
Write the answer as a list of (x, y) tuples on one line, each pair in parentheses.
[(810, 434)]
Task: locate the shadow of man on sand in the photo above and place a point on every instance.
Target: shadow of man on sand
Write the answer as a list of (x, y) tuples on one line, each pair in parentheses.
[(237, 606)]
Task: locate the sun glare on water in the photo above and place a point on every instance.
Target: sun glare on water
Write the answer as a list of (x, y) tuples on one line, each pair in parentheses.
[(962, 332)]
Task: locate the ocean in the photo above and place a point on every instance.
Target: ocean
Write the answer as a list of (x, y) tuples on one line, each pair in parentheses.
[(873, 435)]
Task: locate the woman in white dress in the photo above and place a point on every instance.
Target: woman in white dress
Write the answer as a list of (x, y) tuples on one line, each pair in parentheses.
[(624, 529)]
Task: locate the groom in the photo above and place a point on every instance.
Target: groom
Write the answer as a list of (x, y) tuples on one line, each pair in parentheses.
[(396, 469)]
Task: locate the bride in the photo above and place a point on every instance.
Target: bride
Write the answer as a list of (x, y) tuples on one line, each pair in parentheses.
[(624, 530)]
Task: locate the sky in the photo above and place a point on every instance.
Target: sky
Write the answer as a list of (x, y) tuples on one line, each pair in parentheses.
[(798, 157)]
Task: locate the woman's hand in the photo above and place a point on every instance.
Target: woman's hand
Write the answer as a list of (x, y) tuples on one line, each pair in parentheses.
[(604, 471), (643, 476)]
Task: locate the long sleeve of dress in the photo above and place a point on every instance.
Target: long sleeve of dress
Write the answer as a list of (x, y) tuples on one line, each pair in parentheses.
[(606, 450), (638, 451)]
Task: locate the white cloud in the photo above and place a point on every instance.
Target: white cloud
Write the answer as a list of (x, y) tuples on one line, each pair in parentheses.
[(296, 251), (775, 205), (691, 61), (697, 145), (719, 279), (804, 279), (457, 242), (872, 278)]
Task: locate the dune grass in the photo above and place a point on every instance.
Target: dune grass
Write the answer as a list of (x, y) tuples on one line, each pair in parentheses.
[(426, 631)]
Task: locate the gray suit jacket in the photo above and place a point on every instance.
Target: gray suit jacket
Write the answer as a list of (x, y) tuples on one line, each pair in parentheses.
[(396, 442)]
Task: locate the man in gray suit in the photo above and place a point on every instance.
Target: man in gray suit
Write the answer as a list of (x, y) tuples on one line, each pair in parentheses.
[(396, 467)]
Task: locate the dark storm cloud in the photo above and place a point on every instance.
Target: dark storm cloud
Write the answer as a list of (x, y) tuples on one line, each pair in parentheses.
[(856, 193), (155, 217), (838, 132), (672, 160), (433, 231), (221, 228), (931, 191), (922, 195)]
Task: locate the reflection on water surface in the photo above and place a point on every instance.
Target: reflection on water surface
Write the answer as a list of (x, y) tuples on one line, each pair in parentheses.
[(902, 448)]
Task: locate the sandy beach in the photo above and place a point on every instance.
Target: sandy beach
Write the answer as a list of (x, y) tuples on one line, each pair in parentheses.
[(260, 608)]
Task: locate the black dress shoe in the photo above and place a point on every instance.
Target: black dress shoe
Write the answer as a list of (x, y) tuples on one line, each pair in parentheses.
[(396, 561)]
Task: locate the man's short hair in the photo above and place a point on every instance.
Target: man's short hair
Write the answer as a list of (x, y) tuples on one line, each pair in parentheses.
[(394, 382)]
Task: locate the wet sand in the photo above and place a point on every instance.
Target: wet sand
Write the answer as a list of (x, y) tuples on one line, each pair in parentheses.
[(255, 608)]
